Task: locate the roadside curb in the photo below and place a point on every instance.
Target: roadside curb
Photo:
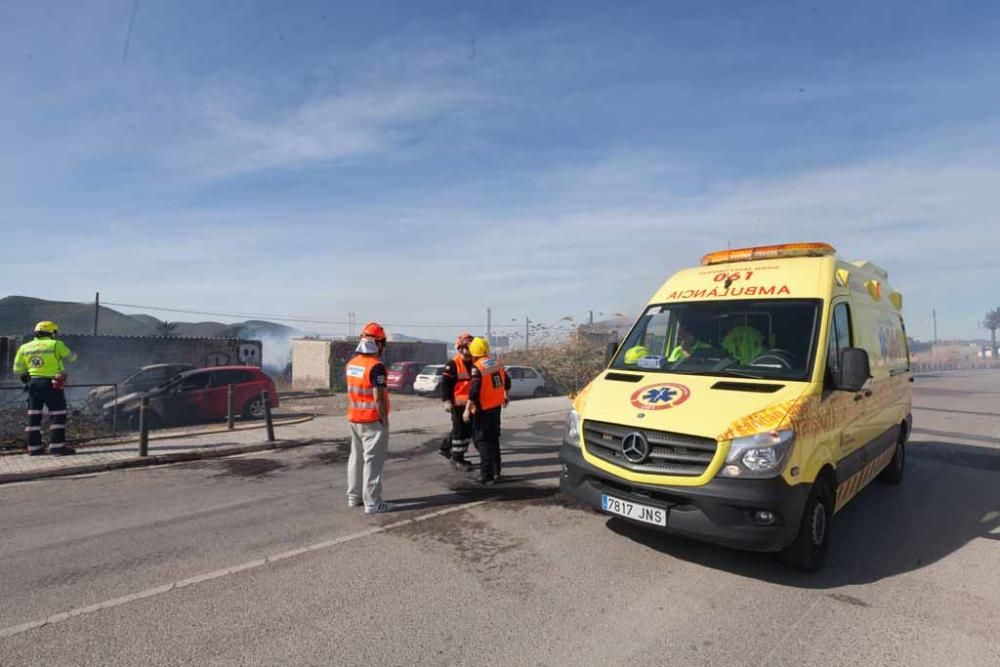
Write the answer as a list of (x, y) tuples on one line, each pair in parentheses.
[(128, 440), (214, 453), (157, 459)]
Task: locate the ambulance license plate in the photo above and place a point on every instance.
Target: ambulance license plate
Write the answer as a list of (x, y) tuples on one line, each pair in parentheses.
[(636, 511)]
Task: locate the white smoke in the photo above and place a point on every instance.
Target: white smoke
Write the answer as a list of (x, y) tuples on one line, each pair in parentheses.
[(277, 345)]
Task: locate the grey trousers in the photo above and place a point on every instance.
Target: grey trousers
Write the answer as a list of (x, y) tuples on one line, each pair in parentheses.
[(369, 446)]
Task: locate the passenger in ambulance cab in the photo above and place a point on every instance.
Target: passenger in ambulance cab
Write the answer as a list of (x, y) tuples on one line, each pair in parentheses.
[(687, 343)]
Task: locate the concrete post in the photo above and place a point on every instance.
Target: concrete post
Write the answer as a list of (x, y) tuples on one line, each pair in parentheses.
[(144, 426)]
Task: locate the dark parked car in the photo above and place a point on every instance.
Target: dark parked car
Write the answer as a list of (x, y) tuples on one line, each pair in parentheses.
[(144, 379), (199, 395)]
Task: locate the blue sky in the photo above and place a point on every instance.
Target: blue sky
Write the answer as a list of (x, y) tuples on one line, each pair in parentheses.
[(419, 162)]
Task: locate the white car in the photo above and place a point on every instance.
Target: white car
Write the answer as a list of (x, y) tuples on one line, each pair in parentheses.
[(526, 382), (428, 381)]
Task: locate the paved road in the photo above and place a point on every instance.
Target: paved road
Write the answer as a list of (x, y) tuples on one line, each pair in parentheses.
[(169, 565)]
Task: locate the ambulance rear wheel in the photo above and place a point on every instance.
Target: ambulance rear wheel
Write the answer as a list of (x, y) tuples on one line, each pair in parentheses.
[(893, 473), (808, 551)]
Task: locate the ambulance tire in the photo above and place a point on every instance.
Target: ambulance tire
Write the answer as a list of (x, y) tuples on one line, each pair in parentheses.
[(893, 473), (808, 551)]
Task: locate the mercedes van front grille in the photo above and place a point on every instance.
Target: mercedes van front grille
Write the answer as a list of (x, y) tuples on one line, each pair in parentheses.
[(665, 453)]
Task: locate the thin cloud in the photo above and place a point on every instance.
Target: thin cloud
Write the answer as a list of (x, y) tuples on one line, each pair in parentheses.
[(360, 124)]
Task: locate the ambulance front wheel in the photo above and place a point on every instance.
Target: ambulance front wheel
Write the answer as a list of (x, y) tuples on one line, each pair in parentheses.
[(808, 551)]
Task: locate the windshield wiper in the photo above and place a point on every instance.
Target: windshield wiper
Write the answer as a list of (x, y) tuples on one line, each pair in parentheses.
[(743, 374)]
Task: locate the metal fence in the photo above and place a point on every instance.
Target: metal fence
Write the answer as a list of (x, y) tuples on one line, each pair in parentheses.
[(86, 417), (955, 366)]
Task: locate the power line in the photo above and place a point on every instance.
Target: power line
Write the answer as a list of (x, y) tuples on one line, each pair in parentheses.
[(285, 318), (128, 34)]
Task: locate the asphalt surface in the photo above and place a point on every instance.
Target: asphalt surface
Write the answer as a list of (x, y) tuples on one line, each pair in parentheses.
[(169, 565)]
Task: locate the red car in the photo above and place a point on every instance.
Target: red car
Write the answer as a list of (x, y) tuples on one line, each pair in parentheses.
[(200, 396), (402, 374)]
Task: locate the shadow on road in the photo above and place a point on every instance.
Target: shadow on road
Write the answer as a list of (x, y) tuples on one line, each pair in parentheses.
[(505, 491), (949, 498), (516, 445)]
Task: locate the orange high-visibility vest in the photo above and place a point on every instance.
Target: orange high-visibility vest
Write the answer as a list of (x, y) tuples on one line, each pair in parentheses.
[(360, 391), (460, 395), (491, 391)]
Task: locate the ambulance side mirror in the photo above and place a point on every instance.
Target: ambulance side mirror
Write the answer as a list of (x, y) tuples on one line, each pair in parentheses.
[(855, 369)]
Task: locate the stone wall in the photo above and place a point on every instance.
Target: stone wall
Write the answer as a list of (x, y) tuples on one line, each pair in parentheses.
[(111, 358), (319, 363)]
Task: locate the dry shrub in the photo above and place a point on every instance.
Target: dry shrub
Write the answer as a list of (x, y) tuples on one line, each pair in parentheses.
[(568, 365)]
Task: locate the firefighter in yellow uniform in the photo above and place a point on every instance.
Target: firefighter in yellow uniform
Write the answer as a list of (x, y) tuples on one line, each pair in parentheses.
[(39, 363)]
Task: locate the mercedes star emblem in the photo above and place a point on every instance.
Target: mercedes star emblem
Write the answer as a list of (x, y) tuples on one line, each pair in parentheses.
[(635, 448)]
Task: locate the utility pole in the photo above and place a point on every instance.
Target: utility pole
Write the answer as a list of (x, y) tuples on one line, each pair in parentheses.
[(527, 332), (591, 322), (934, 313), (97, 310), (489, 323)]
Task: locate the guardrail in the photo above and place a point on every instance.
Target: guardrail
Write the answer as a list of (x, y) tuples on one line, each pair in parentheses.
[(954, 366)]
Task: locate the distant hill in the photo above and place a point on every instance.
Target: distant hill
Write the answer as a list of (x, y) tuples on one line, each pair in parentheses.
[(148, 320), (199, 329), (403, 338), (18, 315), (258, 330)]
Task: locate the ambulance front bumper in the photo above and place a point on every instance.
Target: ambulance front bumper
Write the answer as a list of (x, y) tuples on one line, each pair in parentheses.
[(730, 512)]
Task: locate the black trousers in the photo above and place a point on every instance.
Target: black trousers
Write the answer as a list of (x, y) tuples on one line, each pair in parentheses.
[(41, 394), (461, 434), (486, 431)]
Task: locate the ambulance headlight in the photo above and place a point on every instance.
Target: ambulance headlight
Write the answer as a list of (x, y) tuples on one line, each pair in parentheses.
[(572, 435), (758, 456)]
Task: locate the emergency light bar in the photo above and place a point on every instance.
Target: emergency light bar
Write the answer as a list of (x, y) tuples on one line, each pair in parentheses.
[(768, 252)]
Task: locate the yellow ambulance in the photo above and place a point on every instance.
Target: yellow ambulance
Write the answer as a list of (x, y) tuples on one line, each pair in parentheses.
[(756, 395)]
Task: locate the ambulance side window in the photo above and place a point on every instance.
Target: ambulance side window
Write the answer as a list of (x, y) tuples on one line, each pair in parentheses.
[(658, 331), (840, 335)]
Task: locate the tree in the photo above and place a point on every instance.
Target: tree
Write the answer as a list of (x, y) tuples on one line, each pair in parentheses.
[(992, 322), (165, 328)]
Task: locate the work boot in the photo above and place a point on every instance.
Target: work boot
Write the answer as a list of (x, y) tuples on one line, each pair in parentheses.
[(445, 448), (63, 451), (458, 462), (36, 452)]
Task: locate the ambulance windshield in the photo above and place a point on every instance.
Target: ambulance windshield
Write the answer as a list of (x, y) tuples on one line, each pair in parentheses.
[(773, 339)]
